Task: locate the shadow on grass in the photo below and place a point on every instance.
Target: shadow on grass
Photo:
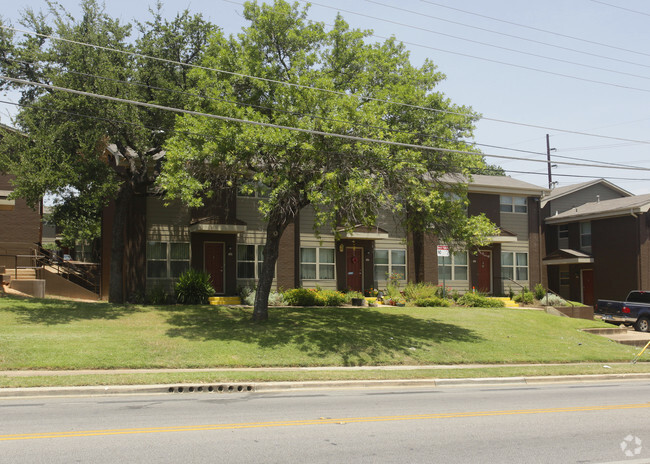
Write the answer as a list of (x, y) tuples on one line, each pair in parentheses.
[(52, 312), (353, 334)]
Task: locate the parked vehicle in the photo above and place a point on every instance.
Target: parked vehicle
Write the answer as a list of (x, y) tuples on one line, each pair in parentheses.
[(635, 310)]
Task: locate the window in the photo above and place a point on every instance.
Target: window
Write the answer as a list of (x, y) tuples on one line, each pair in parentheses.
[(513, 204), (389, 262), (585, 235), (249, 261), (514, 266), (167, 259), (5, 202), (454, 268), (317, 263), (563, 231)]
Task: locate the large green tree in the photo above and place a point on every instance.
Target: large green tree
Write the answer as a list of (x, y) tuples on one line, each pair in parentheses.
[(324, 82), (86, 151)]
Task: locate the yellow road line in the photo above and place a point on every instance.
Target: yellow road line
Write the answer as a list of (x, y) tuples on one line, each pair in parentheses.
[(321, 421)]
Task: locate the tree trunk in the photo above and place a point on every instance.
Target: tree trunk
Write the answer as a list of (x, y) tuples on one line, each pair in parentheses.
[(116, 288), (274, 231)]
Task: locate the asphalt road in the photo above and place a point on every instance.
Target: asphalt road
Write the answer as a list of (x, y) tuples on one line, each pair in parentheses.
[(577, 423)]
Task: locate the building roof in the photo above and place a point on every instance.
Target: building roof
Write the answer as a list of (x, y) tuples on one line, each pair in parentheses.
[(497, 184), (567, 256), (568, 189), (617, 207)]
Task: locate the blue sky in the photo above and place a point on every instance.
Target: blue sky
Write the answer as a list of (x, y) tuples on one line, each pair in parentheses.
[(577, 65)]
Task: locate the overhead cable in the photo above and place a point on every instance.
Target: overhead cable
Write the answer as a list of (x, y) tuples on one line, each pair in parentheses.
[(297, 129)]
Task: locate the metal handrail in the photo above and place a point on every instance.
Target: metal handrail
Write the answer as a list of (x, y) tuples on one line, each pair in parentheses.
[(69, 269), (548, 290)]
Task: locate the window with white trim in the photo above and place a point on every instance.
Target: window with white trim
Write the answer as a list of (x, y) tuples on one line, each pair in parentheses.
[(514, 266), (317, 264), (249, 261), (167, 259), (585, 235), (453, 267), (510, 204), (389, 262)]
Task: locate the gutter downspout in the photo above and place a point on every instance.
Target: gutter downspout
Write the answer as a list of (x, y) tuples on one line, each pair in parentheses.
[(638, 247)]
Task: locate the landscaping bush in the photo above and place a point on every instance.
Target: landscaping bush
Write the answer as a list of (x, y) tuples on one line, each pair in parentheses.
[(539, 292), (525, 297), (349, 295), (193, 287), (247, 295), (315, 297), (300, 297), (419, 291), (329, 298), (554, 300), (433, 301), (475, 300)]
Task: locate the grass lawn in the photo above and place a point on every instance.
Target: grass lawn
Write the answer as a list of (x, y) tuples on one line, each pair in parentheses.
[(56, 334)]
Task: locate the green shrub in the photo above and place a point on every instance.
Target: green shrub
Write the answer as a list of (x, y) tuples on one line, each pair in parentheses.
[(315, 297), (539, 292), (433, 301), (525, 297), (193, 287), (352, 294), (475, 300), (300, 297), (420, 291), (329, 298)]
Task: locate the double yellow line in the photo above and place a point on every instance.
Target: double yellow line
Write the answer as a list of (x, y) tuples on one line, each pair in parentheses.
[(320, 421)]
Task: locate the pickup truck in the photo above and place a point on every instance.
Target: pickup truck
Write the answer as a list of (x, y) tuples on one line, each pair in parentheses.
[(635, 310)]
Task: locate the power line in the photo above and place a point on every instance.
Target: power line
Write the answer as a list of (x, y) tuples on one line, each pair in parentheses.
[(576, 175), (360, 97), (181, 92), (621, 8), (213, 137), (602, 164), (298, 129), (528, 40), (557, 34), (569, 76)]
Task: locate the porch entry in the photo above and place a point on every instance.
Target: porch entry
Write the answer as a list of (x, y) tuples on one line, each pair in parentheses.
[(587, 281), (213, 253), (484, 263), (354, 268)]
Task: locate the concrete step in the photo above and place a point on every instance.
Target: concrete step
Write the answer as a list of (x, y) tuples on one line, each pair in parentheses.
[(608, 331), (225, 300)]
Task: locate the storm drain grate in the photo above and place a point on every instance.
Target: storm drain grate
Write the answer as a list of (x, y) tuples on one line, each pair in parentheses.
[(212, 389)]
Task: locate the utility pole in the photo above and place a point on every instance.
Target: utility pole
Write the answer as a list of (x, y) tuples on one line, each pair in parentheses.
[(548, 159)]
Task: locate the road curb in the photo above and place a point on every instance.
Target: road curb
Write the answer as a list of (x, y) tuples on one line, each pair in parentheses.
[(262, 387)]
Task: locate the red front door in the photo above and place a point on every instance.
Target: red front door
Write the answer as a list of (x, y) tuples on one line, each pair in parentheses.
[(484, 262), (214, 264), (354, 268), (588, 287)]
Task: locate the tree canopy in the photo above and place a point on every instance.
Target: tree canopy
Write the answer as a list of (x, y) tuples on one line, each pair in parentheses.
[(333, 120), (86, 151)]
